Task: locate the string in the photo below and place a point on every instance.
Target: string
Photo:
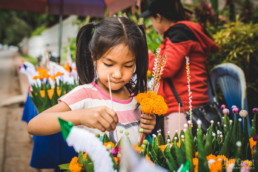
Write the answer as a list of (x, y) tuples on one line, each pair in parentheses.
[(110, 94), (179, 122)]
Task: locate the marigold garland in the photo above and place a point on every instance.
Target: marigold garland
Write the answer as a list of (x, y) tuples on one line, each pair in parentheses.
[(74, 165)]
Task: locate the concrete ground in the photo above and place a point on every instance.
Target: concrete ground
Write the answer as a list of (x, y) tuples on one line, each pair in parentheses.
[(15, 143)]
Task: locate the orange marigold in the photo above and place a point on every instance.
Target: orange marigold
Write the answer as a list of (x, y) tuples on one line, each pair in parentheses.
[(195, 164), (252, 144), (137, 148), (216, 166), (74, 165), (147, 105), (109, 143), (42, 93), (148, 73), (222, 157), (84, 156), (162, 147), (229, 162), (211, 156), (116, 160), (140, 97), (246, 163)]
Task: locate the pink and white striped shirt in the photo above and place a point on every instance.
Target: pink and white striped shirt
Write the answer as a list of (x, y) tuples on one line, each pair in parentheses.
[(90, 95)]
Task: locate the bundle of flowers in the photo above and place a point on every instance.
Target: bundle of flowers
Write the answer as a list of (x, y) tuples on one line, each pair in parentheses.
[(43, 96), (226, 147), (151, 103)]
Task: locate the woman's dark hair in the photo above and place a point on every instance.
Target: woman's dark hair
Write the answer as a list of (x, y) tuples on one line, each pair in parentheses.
[(93, 41), (173, 10)]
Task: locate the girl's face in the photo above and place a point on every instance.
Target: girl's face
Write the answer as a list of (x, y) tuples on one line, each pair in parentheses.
[(119, 64), (156, 24)]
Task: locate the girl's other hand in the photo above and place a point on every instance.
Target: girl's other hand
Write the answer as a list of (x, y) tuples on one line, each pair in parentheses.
[(147, 122), (102, 118)]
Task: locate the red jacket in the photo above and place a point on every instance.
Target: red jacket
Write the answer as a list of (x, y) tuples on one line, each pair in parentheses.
[(185, 38)]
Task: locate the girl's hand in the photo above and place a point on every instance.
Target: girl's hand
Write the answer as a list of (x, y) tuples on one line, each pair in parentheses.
[(147, 122), (102, 118)]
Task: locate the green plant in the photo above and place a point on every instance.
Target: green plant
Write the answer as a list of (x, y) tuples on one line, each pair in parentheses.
[(238, 45), (30, 59)]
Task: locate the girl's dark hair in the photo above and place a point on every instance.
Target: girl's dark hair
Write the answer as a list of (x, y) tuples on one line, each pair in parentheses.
[(93, 41)]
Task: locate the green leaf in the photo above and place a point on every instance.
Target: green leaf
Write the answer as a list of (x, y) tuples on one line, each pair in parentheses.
[(80, 157), (64, 166)]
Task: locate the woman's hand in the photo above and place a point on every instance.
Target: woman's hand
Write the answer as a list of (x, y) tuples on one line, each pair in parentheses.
[(102, 118), (147, 123)]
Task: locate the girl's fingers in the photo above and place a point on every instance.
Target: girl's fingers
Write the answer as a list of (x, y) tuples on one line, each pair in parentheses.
[(147, 121), (112, 114), (100, 127), (105, 123), (110, 120), (147, 116), (147, 127)]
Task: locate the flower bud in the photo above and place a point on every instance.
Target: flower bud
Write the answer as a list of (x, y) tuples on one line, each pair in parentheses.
[(225, 111), (243, 113)]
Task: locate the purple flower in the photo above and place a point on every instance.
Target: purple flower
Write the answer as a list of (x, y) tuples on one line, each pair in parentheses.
[(235, 110), (255, 110), (114, 152), (234, 106), (255, 138), (225, 111), (222, 106)]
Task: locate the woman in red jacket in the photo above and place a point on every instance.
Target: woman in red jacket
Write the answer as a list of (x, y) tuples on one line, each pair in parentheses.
[(181, 38)]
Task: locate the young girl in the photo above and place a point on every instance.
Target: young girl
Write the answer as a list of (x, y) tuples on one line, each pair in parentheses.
[(109, 55)]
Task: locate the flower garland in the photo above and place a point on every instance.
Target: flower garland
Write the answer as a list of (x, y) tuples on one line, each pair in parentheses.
[(188, 85)]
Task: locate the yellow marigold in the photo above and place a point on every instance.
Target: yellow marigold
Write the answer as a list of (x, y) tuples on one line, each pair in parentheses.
[(147, 105), (116, 160), (211, 156), (162, 147), (35, 77), (42, 93), (231, 161), (149, 160), (140, 97), (84, 156), (109, 143), (252, 144), (152, 95), (67, 67), (53, 77), (74, 165), (50, 93), (59, 74), (58, 91), (137, 148), (196, 154), (148, 73), (222, 157), (178, 144), (160, 108), (216, 166), (246, 163), (195, 164)]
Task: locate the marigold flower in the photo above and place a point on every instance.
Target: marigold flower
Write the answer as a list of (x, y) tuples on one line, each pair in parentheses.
[(152, 95), (196, 154), (147, 105), (140, 97), (116, 160), (215, 166), (162, 147), (211, 156), (137, 148), (109, 143), (246, 163), (195, 164), (35, 77), (74, 165), (148, 73), (222, 157), (230, 162), (42, 93), (252, 144), (84, 156)]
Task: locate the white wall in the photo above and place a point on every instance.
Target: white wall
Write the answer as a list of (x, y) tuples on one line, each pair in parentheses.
[(37, 44)]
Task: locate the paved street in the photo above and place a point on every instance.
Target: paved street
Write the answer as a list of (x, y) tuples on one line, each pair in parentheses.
[(15, 142)]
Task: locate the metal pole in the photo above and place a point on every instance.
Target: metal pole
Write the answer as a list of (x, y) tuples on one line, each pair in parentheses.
[(60, 30)]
